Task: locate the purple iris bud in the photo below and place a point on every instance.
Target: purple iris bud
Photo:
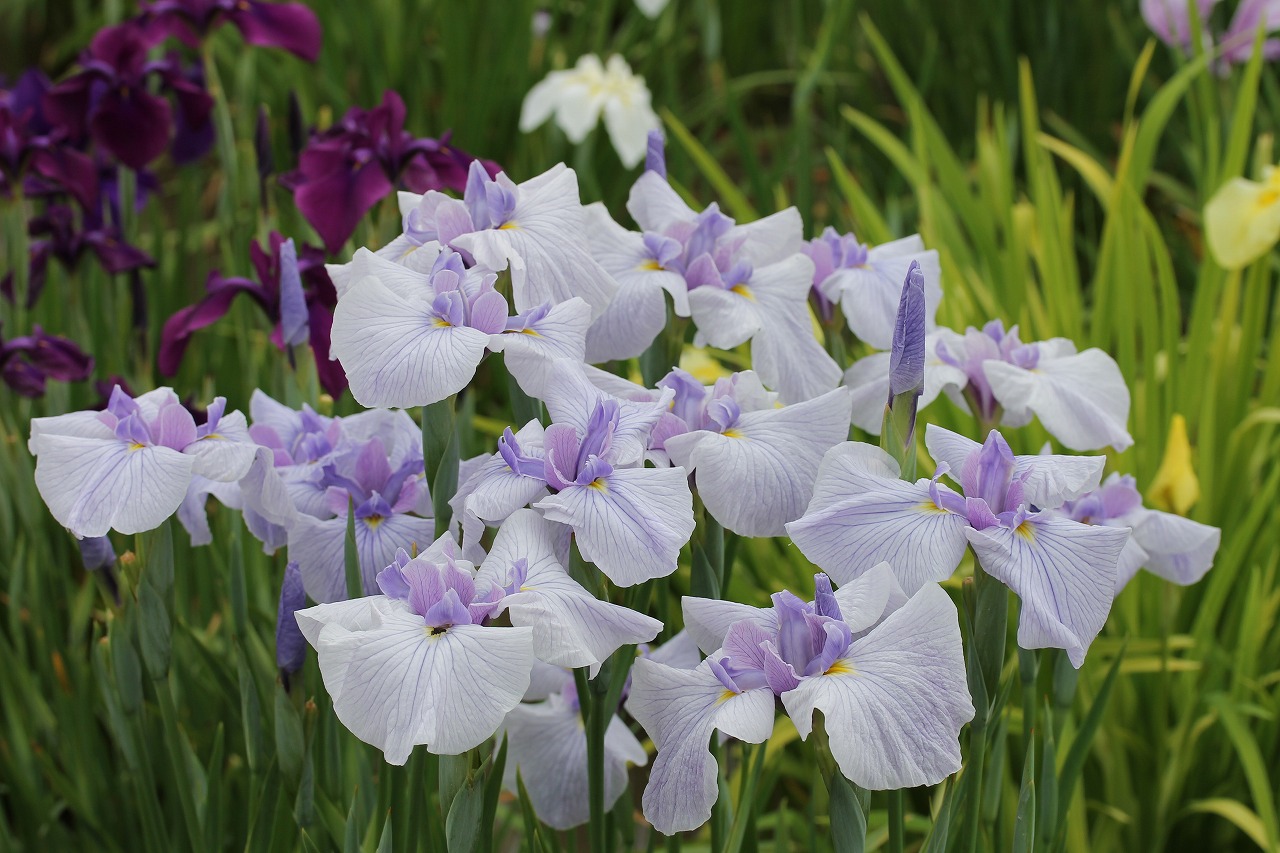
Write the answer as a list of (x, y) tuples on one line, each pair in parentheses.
[(291, 646), (655, 156), (906, 359), (96, 552), (824, 600), (293, 301)]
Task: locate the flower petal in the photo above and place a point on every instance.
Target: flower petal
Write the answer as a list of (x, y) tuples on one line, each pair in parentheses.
[(1081, 399), (895, 704), (632, 524), (859, 518), (394, 684), (760, 475), (395, 354), (93, 485), (708, 620), (680, 709), (1064, 572)]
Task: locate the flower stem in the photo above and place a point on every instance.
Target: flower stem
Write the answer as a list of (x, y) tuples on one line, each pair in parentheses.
[(440, 457), (897, 829)]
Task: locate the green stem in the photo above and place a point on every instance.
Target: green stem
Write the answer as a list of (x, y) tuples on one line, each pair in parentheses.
[(977, 757), (897, 827), (440, 457)]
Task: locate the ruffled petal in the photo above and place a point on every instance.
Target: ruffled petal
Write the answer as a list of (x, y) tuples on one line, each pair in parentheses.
[(395, 685), (680, 709), (547, 746), (1081, 399), (759, 474), (93, 485), (858, 518), (1178, 549), (708, 620), (654, 205), (632, 524), (1064, 572), (895, 704)]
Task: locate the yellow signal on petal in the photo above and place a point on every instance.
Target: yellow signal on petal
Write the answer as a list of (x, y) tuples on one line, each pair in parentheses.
[(1175, 487), (1242, 220)]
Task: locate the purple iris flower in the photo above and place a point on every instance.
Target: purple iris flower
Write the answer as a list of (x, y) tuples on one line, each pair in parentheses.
[(886, 671), (345, 170), (32, 147), (1175, 548), (289, 26), (27, 362), (867, 281), (291, 646), (1080, 397), (58, 235), (110, 97), (294, 291), (314, 468), (1064, 572), (630, 521)]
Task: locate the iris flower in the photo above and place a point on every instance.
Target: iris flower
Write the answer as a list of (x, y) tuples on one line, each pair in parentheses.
[(886, 671)]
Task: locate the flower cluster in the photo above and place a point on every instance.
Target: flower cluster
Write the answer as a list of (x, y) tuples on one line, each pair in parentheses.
[(478, 583)]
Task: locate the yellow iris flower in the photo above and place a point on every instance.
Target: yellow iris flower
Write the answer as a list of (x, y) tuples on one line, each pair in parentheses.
[(1242, 220)]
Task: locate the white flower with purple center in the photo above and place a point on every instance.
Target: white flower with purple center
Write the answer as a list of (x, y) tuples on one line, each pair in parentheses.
[(1175, 548), (411, 339), (867, 281), (418, 664), (745, 283), (887, 673), (1064, 572), (128, 468), (629, 521), (536, 228), (571, 627), (1080, 397), (754, 466), (645, 267), (392, 511)]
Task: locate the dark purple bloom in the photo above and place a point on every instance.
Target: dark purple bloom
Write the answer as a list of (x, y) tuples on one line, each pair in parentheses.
[(27, 362), (32, 148), (193, 131), (96, 552), (346, 170), (280, 275), (109, 98), (291, 646), (289, 26)]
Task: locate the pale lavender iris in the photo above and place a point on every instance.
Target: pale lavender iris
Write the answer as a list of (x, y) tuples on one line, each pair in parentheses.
[(867, 281), (629, 521), (1080, 397), (407, 338), (745, 283), (389, 499), (1064, 572), (535, 228), (887, 673), (402, 668), (128, 468), (1175, 548)]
